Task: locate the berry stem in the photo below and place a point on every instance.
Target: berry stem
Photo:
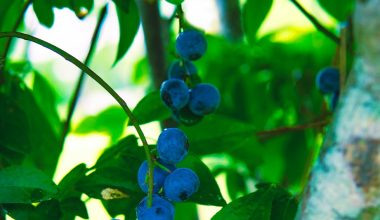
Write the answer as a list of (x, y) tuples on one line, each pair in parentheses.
[(180, 15), (78, 88), (102, 83)]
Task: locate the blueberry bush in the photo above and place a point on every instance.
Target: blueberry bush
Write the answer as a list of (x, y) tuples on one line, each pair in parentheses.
[(242, 111)]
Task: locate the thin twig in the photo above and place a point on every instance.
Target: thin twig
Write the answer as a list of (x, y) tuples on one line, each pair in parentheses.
[(316, 23), (277, 131), (102, 83), (78, 89)]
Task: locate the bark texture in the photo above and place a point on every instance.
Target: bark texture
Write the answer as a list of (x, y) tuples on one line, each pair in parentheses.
[(230, 17), (345, 182), (151, 24)]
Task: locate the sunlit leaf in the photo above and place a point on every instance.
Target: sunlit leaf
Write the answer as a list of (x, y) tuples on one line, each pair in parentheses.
[(151, 108), (254, 14), (128, 25)]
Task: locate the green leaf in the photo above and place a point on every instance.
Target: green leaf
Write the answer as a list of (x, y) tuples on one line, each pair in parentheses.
[(111, 120), (216, 134), (48, 210), (9, 12), (73, 207), (129, 22), (46, 99), (208, 192), (116, 170), (44, 12), (67, 186), (340, 9), (36, 132), (185, 211), (268, 202), (151, 108), (254, 14), (20, 211), (122, 4), (21, 184), (235, 184), (111, 169)]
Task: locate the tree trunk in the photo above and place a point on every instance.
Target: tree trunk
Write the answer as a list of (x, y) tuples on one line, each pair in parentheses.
[(345, 182), (230, 17)]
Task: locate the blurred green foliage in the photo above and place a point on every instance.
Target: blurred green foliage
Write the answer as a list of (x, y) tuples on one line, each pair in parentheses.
[(266, 83)]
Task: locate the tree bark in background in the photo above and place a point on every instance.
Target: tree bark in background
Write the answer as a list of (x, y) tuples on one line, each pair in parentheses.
[(345, 182), (151, 23), (230, 17)]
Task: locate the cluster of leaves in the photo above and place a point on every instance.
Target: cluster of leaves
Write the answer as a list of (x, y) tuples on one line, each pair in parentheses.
[(263, 86)]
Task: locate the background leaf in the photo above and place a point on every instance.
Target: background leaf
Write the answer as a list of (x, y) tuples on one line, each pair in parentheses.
[(269, 202), (254, 14), (21, 184), (44, 12), (129, 22), (111, 121), (9, 12), (216, 134), (208, 192), (340, 9), (151, 108)]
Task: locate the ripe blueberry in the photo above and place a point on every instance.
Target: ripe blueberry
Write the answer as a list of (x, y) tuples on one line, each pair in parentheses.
[(191, 44), (172, 145), (174, 93), (204, 99), (328, 80), (186, 117), (161, 209), (181, 184), (184, 70), (159, 176)]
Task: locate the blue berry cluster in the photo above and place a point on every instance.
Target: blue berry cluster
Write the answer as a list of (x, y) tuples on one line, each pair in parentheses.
[(170, 184), (328, 81), (183, 92)]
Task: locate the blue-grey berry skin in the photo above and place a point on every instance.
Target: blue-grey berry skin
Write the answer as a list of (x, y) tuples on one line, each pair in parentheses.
[(204, 99), (172, 145), (328, 80), (174, 93), (191, 44), (181, 69), (161, 209), (159, 176), (181, 184)]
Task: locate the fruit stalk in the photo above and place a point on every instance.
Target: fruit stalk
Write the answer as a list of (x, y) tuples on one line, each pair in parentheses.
[(78, 88), (102, 83)]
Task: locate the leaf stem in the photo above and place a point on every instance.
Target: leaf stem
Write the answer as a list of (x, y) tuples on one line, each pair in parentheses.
[(102, 83), (78, 88), (316, 23)]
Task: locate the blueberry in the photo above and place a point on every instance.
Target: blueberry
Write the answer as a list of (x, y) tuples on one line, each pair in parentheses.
[(191, 44), (328, 80), (159, 176), (186, 71), (186, 117), (172, 145), (204, 99), (161, 209), (174, 93), (181, 184)]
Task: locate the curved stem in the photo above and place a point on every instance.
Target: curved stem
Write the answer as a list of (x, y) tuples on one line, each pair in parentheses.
[(78, 88), (102, 83), (316, 23)]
